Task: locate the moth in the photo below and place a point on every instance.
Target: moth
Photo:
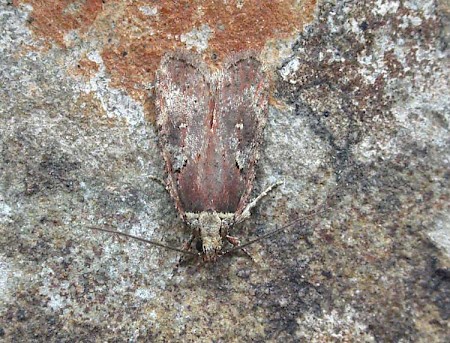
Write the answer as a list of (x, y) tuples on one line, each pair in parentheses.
[(210, 126), (210, 129)]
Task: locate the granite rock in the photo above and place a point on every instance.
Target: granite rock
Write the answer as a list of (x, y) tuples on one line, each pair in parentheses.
[(358, 131)]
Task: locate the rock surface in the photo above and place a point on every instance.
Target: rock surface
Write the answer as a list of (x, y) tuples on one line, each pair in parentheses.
[(359, 121)]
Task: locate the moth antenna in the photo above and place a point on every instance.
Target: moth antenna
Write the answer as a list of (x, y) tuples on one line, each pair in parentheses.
[(272, 232), (148, 241), (319, 209)]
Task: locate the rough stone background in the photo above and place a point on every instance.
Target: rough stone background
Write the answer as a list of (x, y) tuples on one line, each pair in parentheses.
[(359, 119)]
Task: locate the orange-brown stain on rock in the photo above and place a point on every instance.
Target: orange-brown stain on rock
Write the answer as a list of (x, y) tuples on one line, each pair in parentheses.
[(85, 68), (133, 36), (55, 18)]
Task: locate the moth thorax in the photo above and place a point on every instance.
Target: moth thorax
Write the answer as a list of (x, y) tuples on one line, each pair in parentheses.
[(209, 224)]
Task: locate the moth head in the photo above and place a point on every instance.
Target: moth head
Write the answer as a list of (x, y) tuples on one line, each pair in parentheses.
[(210, 224), (210, 227)]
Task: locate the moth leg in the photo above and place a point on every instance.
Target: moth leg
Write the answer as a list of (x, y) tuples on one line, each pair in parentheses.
[(186, 246), (159, 180), (235, 241), (246, 212), (188, 243)]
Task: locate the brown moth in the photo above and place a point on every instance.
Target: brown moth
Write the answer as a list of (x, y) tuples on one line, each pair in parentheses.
[(210, 127)]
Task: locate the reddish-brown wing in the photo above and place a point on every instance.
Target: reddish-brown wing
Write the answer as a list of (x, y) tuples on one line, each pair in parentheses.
[(183, 98), (210, 129), (242, 103)]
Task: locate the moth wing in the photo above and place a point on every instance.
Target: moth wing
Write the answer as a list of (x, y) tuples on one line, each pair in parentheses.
[(242, 104), (210, 130), (183, 97)]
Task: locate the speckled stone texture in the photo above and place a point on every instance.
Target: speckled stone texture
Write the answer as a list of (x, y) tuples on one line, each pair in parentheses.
[(359, 120)]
